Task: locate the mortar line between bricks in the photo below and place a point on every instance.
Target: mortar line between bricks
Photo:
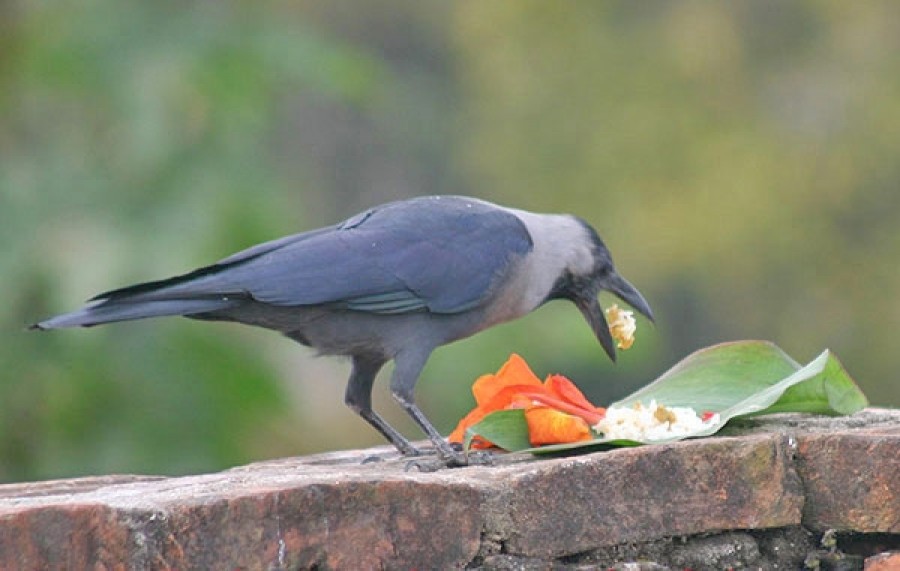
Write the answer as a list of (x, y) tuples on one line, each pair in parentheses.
[(789, 451), (496, 518)]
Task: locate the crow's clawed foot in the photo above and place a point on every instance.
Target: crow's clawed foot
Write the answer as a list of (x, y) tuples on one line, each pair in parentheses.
[(408, 450), (448, 457), (425, 465), (481, 458)]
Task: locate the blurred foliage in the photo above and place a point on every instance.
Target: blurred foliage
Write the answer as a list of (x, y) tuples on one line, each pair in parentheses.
[(739, 158)]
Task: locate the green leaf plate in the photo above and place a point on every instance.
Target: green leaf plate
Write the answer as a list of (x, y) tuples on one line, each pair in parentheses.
[(739, 378)]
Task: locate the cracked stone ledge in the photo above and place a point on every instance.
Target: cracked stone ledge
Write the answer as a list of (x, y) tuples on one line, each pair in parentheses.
[(331, 511)]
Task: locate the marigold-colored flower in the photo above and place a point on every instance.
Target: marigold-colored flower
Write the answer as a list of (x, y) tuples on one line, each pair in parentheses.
[(550, 426), (555, 410)]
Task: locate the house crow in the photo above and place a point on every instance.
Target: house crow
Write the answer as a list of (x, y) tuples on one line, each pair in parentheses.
[(391, 283)]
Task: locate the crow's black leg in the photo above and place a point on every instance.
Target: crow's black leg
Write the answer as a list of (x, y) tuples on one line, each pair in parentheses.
[(408, 367), (359, 398)]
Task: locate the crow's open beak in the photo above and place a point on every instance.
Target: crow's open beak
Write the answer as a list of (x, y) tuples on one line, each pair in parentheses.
[(593, 313)]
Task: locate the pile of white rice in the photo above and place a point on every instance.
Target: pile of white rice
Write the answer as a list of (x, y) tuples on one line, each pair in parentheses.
[(655, 422)]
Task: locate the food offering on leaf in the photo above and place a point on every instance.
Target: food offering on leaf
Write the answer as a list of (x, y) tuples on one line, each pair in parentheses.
[(516, 411), (621, 326), (556, 412), (642, 423)]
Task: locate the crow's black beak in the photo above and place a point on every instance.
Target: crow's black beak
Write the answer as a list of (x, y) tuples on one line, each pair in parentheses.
[(620, 287), (593, 313)]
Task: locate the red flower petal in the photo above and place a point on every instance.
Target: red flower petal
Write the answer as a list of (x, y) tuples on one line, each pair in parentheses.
[(567, 391)]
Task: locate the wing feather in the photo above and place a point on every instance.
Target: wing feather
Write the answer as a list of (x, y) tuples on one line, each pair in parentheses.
[(413, 255)]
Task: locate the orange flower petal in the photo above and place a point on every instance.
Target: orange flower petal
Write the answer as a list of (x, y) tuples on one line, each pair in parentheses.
[(514, 372), (501, 400), (549, 426), (567, 391), (479, 443), (563, 415), (591, 415), (520, 401), (459, 433)]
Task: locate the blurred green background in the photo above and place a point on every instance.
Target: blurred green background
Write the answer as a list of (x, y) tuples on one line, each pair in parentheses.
[(739, 158)]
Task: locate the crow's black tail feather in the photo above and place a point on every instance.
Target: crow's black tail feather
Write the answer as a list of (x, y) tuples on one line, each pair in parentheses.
[(108, 311)]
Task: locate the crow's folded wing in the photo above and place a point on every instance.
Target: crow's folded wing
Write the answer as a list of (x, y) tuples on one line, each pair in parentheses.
[(443, 254)]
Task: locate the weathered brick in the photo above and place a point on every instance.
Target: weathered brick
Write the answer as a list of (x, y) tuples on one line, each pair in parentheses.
[(883, 562), (281, 515), (640, 494), (852, 480)]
